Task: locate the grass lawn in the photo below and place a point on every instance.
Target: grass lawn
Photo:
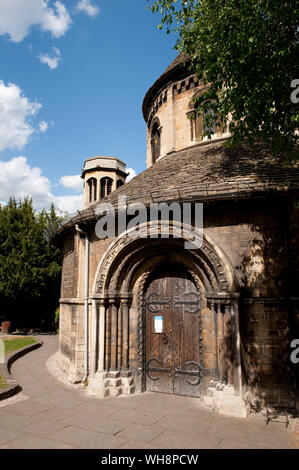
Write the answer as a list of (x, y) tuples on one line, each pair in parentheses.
[(17, 343), (13, 345), (3, 383)]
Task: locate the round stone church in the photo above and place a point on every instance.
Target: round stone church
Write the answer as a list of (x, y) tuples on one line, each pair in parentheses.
[(203, 310)]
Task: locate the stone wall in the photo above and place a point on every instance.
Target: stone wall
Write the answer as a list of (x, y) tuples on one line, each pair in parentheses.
[(254, 236), (70, 267), (71, 327)]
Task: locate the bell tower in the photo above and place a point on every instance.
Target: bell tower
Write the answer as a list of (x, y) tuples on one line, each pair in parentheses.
[(101, 176)]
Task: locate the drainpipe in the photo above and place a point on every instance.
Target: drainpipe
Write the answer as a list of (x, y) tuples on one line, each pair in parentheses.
[(85, 234)]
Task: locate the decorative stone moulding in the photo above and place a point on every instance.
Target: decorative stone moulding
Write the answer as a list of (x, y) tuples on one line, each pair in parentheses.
[(186, 84)]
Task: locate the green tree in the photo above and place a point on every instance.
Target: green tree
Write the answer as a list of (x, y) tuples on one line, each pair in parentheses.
[(247, 50), (30, 268)]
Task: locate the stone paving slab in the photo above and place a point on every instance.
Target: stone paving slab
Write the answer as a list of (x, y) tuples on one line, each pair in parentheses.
[(187, 425), (86, 439), (141, 433), (52, 399), (14, 420), (172, 439), (30, 407), (97, 408), (140, 445), (35, 442), (44, 428), (6, 434), (14, 399), (139, 417), (94, 423), (56, 416)]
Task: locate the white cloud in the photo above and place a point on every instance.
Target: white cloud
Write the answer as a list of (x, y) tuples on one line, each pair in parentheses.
[(56, 22), (19, 16), (73, 182), (87, 7), (51, 60), (43, 126), (18, 179), (15, 113), (132, 174), (69, 204)]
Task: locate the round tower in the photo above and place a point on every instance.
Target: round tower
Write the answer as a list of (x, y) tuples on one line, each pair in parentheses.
[(169, 111), (102, 175)]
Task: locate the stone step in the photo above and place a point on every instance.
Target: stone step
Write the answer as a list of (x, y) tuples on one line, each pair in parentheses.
[(130, 390), (113, 374), (115, 391), (128, 381), (115, 382)]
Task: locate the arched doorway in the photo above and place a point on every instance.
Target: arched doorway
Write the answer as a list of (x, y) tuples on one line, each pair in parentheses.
[(173, 332), (199, 305)]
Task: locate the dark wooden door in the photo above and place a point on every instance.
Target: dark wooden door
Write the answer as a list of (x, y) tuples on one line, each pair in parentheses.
[(173, 331)]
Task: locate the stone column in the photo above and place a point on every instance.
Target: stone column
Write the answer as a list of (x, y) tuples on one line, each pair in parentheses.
[(228, 345), (113, 342), (101, 336), (220, 335), (235, 321), (97, 384), (125, 334), (214, 313), (94, 337)]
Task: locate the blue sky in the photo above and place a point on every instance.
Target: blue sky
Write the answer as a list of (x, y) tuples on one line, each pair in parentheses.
[(73, 75)]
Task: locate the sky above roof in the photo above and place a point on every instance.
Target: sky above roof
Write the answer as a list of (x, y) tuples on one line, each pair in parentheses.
[(73, 76)]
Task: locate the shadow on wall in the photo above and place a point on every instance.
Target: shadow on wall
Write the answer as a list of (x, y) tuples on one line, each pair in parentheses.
[(269, 275)]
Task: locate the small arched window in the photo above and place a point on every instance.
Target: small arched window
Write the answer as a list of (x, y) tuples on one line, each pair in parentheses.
[(106, 186), (119, 183), (200, 123), (209, 119), (109, 186), (155, 140), (92, 189)]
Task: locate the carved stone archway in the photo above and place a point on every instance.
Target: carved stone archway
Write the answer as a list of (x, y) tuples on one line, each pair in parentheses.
[(118, 291), (125, 245)]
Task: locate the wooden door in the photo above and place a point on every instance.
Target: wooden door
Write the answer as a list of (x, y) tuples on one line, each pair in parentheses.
[(173, 332)]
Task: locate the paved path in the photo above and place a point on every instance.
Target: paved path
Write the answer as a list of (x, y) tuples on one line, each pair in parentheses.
[(55, 416)]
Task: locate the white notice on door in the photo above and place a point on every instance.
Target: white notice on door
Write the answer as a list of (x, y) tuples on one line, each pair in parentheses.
[(158, 324)]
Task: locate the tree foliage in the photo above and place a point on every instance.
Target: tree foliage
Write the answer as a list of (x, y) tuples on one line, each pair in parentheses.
[(247, 50), (30, 268)]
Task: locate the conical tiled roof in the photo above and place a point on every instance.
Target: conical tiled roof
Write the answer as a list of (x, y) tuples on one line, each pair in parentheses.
[(204, 173), (179, 68), (180, 58)]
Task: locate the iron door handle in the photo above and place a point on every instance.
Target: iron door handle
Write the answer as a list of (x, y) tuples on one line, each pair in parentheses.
[(150, 368)]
